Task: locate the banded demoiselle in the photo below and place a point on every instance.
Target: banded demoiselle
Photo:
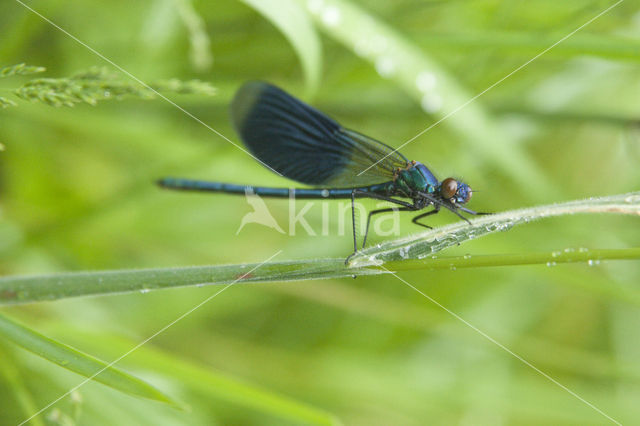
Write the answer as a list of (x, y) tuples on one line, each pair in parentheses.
[(303, 144)]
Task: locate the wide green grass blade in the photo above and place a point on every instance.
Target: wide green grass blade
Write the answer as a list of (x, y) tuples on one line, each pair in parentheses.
[(438, 91), (79, 362), (296, 25), (425, 244), (10, 373), (60, 286), (602, 46), (410, 252), (208, 381)]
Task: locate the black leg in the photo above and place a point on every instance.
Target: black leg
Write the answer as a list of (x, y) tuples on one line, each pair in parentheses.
[(466, 210), (372, 212), (435, 210), (363, 194), (353, 223), (454, 209), (449, 206)]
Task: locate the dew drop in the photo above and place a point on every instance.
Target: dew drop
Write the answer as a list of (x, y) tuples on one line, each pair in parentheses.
[(375, 261), (466, 256), (426, 81), (431, 102), (379, 43), (325, 193), (315, 6), (632, 199), (385, 66), (144, 290), (550, 264), (362, 48), (331, 16)]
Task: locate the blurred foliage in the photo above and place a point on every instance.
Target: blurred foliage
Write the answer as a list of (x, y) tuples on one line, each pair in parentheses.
[(95, 85), (77, 193), (20, 69)]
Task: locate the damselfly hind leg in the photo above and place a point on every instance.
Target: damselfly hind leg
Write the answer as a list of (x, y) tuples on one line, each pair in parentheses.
[(406, 206)]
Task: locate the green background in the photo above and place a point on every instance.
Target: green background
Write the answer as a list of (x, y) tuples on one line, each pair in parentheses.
[(77, 193)]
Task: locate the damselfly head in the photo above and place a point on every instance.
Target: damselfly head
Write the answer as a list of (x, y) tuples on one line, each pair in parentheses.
[(455, 191)]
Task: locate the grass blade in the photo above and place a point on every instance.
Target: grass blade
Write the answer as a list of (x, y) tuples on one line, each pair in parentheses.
[(294, 22), (609, 47), (425, 244), (439, 92), (208, 381), (77, 361), (410, 252)]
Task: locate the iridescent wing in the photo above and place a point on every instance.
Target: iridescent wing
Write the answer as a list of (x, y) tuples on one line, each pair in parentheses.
[(306, 145)]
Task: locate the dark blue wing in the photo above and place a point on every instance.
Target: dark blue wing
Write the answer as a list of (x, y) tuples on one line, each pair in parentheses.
[(304, 144)]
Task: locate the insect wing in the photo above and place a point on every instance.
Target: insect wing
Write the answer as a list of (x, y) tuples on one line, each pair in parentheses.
[(306, 145)]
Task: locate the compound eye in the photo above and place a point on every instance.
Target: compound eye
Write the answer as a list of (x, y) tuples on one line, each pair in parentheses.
[(468, 196), (449, 188)]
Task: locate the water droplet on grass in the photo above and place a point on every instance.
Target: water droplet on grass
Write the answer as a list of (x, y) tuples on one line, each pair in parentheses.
[(315, 6), (385, 66), (426, 81), (331, 16), (431, 103)]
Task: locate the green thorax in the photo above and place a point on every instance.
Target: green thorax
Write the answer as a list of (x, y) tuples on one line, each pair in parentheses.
[(416, 178)]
